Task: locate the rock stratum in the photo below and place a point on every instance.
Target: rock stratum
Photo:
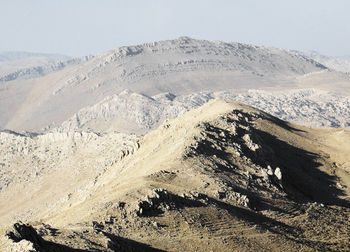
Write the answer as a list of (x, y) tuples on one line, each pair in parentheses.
[(183, 67), (222, 177)]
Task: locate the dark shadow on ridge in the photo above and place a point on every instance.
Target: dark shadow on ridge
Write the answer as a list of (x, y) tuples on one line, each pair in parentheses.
[(118, 243), (302, 178), (301, 174), (266, 223), (26, 232)]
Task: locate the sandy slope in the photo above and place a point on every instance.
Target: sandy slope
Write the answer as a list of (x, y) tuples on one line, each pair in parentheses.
[(222, 177)]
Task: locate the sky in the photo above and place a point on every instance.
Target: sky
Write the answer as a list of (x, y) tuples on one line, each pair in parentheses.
[(83, 27)]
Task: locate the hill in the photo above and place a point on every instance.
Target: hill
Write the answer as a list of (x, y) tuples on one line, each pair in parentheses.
[(182, 66), (222, 177)]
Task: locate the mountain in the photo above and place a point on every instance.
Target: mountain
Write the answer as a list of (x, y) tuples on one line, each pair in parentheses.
[(25, 65), (181, 67), (222, 177), (12, 56), (13, 61), (338, 64)]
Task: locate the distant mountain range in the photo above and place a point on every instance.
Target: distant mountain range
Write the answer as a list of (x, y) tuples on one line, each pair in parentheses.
[(341, 64), (26, 65), (183, 68), (20, 55)]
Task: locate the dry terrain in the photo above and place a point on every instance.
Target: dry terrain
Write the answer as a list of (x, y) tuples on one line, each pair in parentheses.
[(222, 177), (176, 145), (181, 67)]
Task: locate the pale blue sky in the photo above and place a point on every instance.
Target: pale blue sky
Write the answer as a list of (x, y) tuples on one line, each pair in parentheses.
[(81, 27)]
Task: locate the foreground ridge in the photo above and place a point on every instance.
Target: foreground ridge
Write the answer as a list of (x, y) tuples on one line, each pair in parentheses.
[(222, 177)]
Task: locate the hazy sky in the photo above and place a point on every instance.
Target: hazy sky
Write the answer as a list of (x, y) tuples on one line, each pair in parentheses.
[(80, 27)]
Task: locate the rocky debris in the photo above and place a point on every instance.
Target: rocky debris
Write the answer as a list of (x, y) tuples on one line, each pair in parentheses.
[(23, 238), (44, 229), (22, 246), (161, 200), (98, 227), (26, 232), (269, 170), (157, 200), (278, 173), (309, 107), (115, 243), (121, 205), (141, 112), (238, 198), (250, 144), (341, 186), (163, 175), (270, 173)]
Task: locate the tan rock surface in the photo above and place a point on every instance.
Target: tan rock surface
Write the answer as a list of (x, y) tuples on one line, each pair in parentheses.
[(223, 177)]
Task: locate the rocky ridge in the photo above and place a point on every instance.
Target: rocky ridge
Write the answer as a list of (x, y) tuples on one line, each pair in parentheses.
[(224, 176)]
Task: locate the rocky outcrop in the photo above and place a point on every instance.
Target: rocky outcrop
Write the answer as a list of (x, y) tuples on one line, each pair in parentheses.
[(134, 113), (27, 233)]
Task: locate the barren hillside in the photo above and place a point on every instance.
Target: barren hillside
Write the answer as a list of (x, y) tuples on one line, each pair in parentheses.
[(222, 177), (182, 66)]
